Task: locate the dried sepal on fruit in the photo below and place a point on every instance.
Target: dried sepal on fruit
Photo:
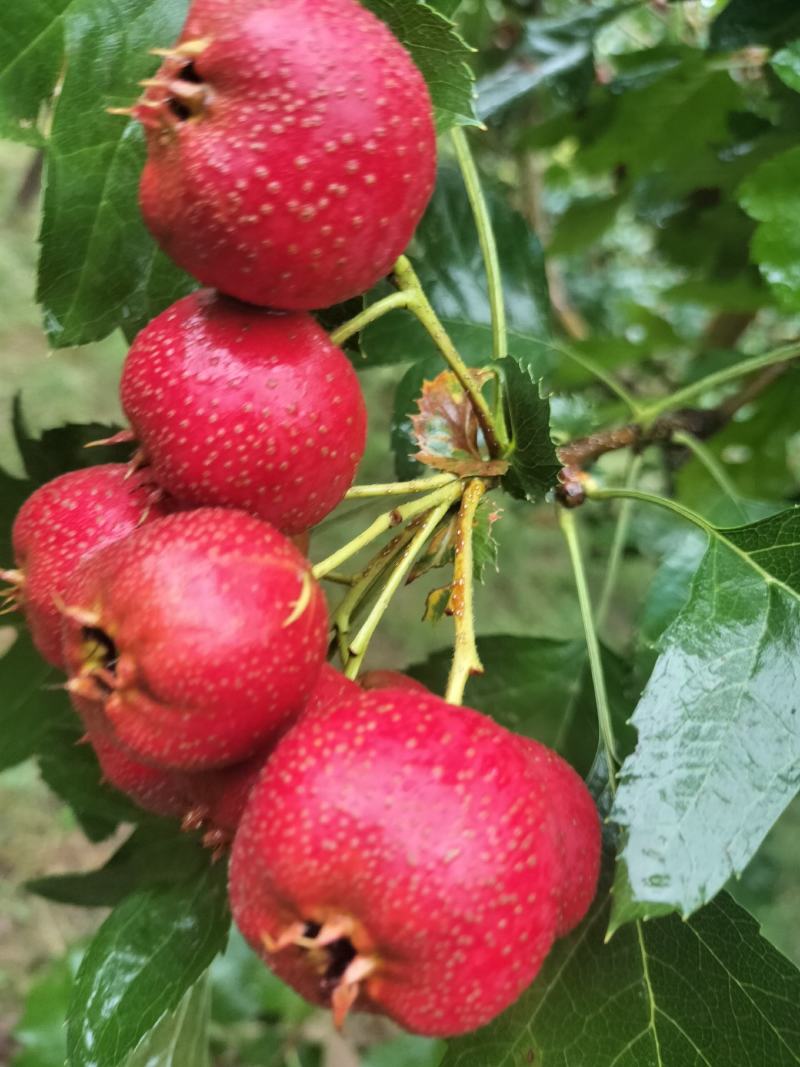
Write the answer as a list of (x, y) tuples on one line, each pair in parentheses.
[(199, 637), (397, 855), (277, 170)]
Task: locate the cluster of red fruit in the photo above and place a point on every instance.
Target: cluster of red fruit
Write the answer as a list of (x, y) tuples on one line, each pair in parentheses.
[(390, 851)]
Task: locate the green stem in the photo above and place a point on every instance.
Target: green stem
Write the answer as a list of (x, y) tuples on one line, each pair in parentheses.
[(620, 540), (601, 374), (419, 485), (466, 660), (368, 315), (339, 579), (570, 530), (494, 434), (718, 533), (652, 498), (360, 643), (487, 240), (362, 586), (713, 381), (709, 461), (448, 495)]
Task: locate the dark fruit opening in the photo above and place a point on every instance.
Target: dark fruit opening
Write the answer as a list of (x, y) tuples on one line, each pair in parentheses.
[(337, 956), (189, 74), (100, 649), (184, 105), (179, 109), (341, 954)]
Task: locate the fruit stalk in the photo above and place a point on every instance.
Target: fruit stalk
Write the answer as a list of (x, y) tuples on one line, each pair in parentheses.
[(359, 645), (364, 583), (569, 528), (370, 314), (407, 281), (483, 224), (466, 660), (448, 494), (418, 485)]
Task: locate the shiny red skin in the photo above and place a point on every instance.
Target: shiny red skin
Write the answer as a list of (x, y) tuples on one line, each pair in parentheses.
[(221, 796), (304, 173), (241, 407), (575, 823), (153, 789), (390, 680), (576, 830), (425, 823), (63, 523), (220, 633)]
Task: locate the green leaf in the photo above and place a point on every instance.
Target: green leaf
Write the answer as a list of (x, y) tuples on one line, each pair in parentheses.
[(520, 77), (739, 295), (534, 464), (40, 1031), (553, 51), (244, 989), (71, 770), (671, 585), (786, 65), (746, 22), (448, 259), (447, 8), (405, 1051), (55, 452), (13, 494), (63, 448), (718, 757), (771, 196), (31, 704), (181, 1037), (485, 549), (99, 267), (157, 853), (768, 888), (31, 47), (538, 688), (439, 52), (679, 550), (693, 103), (583, 223), (709, 992), (755, 450), (146, 955)]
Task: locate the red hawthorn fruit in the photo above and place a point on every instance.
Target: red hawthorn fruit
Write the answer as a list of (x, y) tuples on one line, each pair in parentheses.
[(575, 824), (574, 821), (198, 638), (219, 797), (390, 680), (241, 407), (154, 789), (60, 525), (291, 150), (576, 830), (396, 856)]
